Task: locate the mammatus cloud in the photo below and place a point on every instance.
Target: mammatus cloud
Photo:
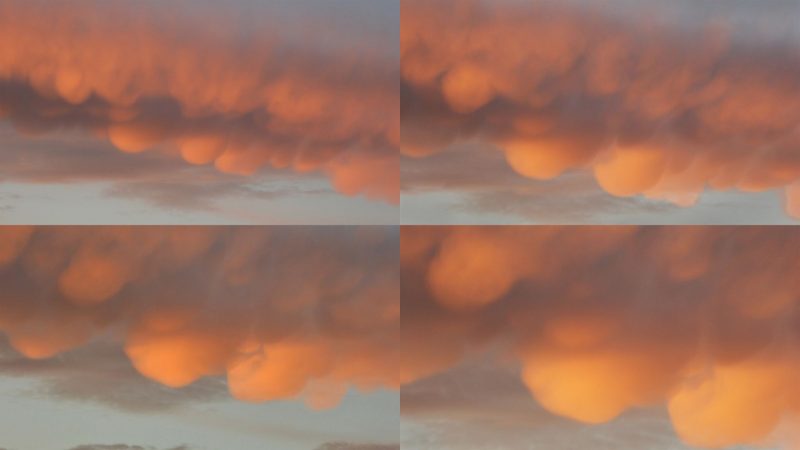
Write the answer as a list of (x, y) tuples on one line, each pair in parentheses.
[(235, 88), (281, 313), (664, 109), (600, 321)]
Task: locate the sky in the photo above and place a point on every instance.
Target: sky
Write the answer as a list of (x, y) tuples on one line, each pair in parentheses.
[(615, 337), (199, 112), (599, 111), (199, 338)]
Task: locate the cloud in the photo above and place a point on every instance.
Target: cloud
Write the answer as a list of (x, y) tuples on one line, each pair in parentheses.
[(280, 313), (660, 105), (210, 86), (599, 321)]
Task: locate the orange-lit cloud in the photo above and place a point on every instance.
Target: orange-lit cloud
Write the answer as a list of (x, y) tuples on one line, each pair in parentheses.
[(281, 313), (660, 107), (237, 88), (700, 321)]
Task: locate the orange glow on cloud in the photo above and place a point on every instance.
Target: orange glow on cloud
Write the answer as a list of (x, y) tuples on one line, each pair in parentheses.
[(700, 321), (281, 313), (204, 84), (649, 107)]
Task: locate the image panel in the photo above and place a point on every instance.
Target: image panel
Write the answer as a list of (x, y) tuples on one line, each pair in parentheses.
[(609, 338), (199, 111), (199, 338), (600, 112)]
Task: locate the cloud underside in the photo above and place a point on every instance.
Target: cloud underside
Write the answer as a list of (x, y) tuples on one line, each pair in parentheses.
[(648, 106), (595, 322), (276, 313), (205, 87)]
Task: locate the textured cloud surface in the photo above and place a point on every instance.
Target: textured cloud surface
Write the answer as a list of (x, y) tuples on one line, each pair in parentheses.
[(234, 86), (281, 313), (663, 101), (599, 321)]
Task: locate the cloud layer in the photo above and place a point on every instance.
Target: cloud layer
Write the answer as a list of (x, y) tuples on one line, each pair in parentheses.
[(236, 88), (653, 106), (281, 313), (600, 321)]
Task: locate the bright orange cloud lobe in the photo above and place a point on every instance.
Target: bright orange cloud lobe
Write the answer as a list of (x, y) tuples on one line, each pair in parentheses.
[(281, 313), (701, 321)]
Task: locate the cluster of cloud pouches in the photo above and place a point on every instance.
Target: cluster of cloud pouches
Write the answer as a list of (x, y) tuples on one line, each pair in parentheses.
[(702, 321), (210, 86), (280, 312), (648, 106)]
